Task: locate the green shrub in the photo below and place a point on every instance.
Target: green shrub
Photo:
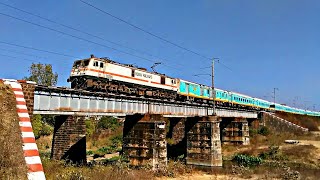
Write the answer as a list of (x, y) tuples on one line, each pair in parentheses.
[(90, 127), (246, 160), (39, 127), (108, 123), (106, 150), (264, 131), (116, 140), (89, 152), (46, 129), (273, 153), (36, 125)]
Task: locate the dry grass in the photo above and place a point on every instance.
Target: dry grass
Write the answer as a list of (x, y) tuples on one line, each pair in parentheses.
[(118, 171), (12, 164)]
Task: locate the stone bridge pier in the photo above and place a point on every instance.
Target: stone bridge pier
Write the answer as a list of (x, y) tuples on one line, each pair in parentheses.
[(235, 131), (144, 140), (69, 139), (203, 141), (152, 139)]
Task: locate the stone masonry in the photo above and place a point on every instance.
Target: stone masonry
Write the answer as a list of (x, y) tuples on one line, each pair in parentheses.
[(28, 91), (235, 131), (203, 141), (144, 140), (281, 125), (69, 139)]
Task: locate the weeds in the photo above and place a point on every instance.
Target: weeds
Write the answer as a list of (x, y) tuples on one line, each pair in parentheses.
[(247, 161)]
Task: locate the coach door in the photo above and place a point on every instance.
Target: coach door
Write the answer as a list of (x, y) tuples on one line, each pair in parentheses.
[(187, 88), (163, 80)]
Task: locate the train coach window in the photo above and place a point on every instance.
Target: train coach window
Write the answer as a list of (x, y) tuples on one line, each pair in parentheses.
[(132, 73)]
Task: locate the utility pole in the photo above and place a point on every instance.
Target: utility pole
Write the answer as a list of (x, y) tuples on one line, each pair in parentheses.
[(212, 86), (274, 95)]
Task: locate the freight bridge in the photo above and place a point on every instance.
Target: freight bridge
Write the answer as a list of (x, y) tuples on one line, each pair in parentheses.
[(148, 123)]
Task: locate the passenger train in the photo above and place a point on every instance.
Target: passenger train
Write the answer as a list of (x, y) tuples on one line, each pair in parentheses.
[(103, 74)]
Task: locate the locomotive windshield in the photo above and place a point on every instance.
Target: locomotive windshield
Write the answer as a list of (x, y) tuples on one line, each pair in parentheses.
[(81, 63)]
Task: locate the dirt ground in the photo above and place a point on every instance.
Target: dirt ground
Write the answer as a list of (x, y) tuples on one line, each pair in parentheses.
[(238, 149)]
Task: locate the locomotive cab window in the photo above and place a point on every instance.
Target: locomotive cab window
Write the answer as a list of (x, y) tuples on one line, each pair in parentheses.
[(96, 63), (101, 64), (76, 64), (132, 73)]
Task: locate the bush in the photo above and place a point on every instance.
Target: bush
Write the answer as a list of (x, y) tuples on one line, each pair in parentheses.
[(90, 127), (46, 130), (36, 125), (39, 127), (273, 153), (116, 140), (108, 123), (89, 152), (246, 160), (105, 150), (264, 131)]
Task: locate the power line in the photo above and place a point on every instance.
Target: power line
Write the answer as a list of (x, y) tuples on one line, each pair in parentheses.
[(51, 52), (30, 60), (83, 39), (143, 30), (81, 31), (19, 52), (150, 33)]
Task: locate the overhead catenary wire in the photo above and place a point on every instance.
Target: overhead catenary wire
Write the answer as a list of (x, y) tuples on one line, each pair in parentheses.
[(14, 57), (150, 33), (27, 54), (84, 32), (36, 49), (83, 39), (70, 35)]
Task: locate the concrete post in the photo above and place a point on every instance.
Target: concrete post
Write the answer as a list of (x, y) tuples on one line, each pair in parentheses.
[(69, 139), (203, 141), (144, 140)]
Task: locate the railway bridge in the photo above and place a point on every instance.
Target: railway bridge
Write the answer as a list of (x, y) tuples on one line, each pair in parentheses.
[(196, 132)]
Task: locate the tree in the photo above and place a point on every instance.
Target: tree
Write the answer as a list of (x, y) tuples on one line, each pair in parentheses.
[(42, 74)]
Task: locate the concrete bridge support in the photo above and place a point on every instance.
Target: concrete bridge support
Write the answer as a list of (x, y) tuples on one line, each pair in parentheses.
[(203, 141), (144, 140), (235, 131), (69, 139)]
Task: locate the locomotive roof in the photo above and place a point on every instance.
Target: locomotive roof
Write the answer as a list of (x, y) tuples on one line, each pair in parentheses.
[(130, 66)]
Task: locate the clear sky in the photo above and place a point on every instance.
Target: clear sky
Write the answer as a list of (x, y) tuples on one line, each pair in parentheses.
[(266, 44)]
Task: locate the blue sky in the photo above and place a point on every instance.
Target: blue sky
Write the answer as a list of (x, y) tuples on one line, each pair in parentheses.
[(266, 44)]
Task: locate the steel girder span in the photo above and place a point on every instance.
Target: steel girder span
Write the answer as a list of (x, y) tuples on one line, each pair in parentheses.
[(67, 103)]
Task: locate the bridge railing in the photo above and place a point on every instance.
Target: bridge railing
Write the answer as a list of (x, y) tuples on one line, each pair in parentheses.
[(71, 102)]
